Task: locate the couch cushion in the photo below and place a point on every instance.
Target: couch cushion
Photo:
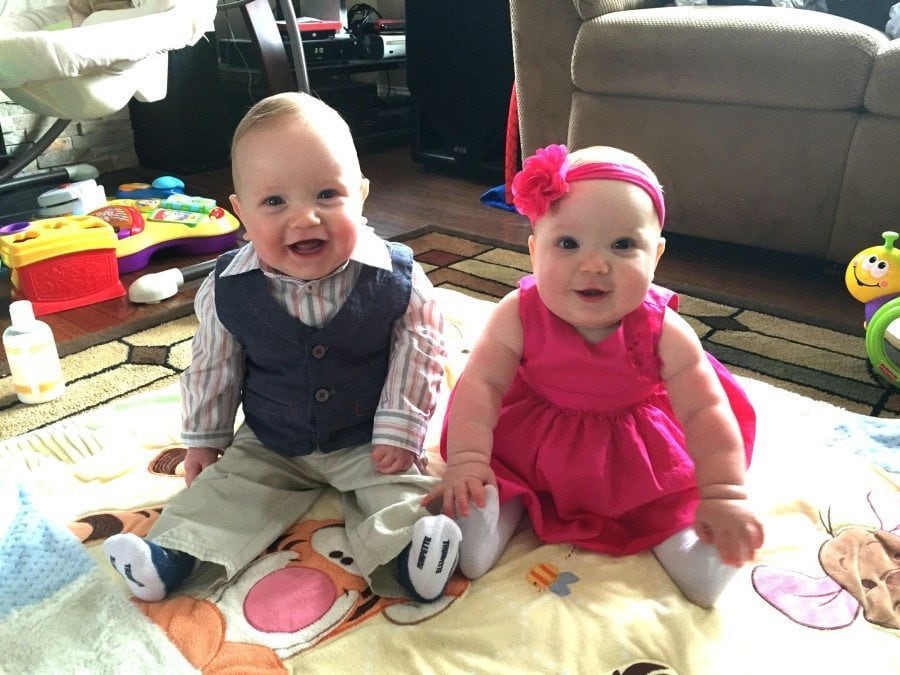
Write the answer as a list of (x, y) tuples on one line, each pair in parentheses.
[(591, 9), (750, 175), (740, 55)]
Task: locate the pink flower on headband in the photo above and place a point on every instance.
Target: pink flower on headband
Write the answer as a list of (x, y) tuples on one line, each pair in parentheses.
[(541, 181), (545, 177)]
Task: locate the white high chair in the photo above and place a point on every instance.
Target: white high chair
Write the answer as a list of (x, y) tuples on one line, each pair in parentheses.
[(54, 68)]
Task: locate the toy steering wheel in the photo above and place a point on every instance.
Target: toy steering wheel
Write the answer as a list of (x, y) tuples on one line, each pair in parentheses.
[(883, 341)]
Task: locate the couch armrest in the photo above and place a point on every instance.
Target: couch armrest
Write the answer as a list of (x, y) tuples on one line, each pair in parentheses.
[(883, 92), (543, 37)]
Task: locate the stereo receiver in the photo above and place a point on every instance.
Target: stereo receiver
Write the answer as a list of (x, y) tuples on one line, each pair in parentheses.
[(384, 45)]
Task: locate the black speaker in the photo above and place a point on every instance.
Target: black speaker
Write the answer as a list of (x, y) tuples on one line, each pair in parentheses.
[(459, 70), (874, 13), (188, 131)]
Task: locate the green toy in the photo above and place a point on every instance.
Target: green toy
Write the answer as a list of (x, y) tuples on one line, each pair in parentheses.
[(873, 278), (883, 341)]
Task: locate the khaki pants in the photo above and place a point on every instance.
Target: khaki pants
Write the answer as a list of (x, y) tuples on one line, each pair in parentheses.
[(242, 503)]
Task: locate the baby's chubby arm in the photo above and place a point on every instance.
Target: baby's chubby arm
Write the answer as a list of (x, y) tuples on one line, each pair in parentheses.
[(476, 408), (714, 441)]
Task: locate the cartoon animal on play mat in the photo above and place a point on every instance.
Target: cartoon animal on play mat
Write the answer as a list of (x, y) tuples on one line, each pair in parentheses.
[(862, 565), (307, 589), (303, 591)]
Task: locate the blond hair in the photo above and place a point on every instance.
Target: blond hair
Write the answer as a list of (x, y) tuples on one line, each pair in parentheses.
[(607, 153), (278, 107), (292, 106)]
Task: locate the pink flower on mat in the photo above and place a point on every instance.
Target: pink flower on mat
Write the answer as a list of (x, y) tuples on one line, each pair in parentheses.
[(541, 181)]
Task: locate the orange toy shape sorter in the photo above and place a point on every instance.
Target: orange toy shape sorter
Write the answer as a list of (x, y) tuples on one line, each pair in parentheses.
[(61, 263)]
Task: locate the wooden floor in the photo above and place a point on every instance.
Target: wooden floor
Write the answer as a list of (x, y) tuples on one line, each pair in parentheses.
[(404, 197)]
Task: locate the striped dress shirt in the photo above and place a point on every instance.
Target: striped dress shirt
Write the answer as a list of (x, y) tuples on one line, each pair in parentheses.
[(211, 385)]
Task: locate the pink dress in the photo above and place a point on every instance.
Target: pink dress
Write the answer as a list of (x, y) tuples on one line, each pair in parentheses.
[(587, 436)]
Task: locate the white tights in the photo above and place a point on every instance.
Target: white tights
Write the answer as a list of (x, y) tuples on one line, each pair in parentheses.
[(486, 532), (695, 567)]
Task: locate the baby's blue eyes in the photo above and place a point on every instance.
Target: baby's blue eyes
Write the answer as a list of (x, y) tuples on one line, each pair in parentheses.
[(570, 244), (275, 200)]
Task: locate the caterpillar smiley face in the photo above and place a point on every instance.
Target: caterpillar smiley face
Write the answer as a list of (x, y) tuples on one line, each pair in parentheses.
[(875, 271)]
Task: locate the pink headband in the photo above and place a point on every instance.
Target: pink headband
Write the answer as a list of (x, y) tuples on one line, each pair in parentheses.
[(545, 177)]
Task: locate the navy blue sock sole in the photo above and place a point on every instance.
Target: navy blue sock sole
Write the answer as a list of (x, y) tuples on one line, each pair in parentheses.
[(173, 567), (402, 562)]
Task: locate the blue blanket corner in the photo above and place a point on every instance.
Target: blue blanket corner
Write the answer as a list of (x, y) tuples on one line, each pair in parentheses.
[(37, 556)]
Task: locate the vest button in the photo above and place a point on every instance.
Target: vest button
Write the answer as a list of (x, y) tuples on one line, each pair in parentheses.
[(322, 395), (318, 351)]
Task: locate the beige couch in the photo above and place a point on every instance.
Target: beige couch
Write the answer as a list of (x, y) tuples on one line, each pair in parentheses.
[(776, 128)]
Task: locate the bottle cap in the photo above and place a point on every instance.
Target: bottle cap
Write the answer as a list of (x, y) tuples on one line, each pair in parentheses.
[(22, 313)]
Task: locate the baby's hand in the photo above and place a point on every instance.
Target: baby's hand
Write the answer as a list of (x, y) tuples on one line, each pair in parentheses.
[(463, 482), (198, 459), (391, 459), (731, 526)]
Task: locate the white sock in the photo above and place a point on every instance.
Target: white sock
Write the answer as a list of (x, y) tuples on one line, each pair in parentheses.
[(433, 555), (486, 532), (150, 571), (695, 567)]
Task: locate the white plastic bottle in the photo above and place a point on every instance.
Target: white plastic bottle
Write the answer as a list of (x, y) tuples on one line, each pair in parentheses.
[(32, 356)]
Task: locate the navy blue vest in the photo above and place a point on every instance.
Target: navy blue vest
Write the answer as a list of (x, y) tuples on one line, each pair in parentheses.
[(314, 389)]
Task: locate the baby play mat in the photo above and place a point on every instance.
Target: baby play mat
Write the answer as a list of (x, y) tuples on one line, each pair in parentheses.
[(820, 598)]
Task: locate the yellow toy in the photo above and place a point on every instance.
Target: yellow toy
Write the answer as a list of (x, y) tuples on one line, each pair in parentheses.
[(185, 232), (61, 263), (74, 260), (873, 277)]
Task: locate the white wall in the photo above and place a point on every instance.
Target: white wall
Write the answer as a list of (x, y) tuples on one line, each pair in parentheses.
[(106, 143)]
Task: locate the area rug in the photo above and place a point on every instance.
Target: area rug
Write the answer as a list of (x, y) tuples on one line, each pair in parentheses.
[(815, 362)]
